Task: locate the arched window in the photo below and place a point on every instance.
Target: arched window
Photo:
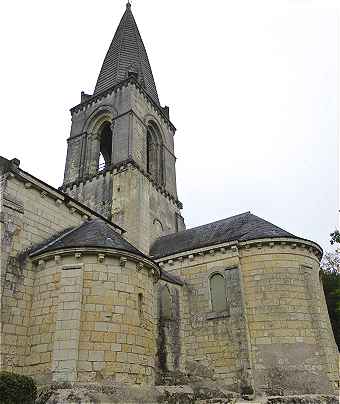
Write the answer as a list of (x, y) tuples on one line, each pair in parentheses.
[(154, 153), (165, 304), (218, 293), (105, 156)]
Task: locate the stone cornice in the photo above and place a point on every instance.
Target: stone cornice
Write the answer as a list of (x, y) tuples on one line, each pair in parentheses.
[(130, 80), (233, 249), (119, 167), (101, 253)]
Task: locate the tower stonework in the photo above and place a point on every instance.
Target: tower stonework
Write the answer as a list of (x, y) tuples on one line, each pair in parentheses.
[(120, 159)]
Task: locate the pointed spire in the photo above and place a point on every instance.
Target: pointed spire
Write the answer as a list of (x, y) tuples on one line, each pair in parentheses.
[(127, 54)]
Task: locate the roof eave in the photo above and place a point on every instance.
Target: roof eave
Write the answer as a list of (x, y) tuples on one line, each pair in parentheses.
[(44, 255), (240, 244)]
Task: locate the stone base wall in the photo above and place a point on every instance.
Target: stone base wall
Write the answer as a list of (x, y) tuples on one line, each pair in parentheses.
[(277, 335), (293, 347), (95, 322), (214, 344)]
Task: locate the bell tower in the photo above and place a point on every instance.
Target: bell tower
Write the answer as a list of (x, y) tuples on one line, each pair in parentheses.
[(120, 159)]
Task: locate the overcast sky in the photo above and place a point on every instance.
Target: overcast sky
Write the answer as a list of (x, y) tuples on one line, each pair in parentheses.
[(252, 87)]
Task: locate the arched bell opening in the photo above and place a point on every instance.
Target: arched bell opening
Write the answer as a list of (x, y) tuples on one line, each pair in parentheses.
[(154, 154), (105, 148)]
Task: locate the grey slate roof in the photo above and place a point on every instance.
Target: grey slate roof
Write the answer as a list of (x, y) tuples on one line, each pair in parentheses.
[(94, 233), (126, 53), (243, 227)]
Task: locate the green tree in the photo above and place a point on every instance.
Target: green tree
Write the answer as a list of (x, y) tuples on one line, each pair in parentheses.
[(335, 237), (330, 272)]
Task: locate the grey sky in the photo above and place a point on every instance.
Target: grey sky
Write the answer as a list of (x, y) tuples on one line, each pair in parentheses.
[(252, 88)]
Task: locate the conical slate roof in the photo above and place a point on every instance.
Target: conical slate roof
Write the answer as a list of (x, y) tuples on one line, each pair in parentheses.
[(243, 227), (126, 53), (94, 233)]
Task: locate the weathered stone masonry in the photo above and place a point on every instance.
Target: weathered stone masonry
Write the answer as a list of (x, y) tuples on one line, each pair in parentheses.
[(101, 283), (273, 324)]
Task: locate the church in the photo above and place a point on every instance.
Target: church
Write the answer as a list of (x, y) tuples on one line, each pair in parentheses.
[(101, 281)]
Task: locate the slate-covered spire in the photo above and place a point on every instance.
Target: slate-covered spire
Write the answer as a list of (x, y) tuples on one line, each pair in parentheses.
[(126, 54)]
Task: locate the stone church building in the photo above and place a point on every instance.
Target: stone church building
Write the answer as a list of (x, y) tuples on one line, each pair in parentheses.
[(101, 280)]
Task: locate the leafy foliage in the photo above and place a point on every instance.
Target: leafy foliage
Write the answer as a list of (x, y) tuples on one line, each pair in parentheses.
[(335, 237), (330, 272), (17, 389)]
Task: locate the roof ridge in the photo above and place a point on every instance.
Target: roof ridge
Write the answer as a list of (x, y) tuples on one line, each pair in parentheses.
[(206, 224), (136, 32), (122, 37), (272, 224), (58, 239)]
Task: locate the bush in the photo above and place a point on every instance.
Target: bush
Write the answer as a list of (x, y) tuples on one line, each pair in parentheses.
[(17, 389)]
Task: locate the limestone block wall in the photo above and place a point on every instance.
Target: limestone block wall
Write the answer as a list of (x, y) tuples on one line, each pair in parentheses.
[(42, 321), (118, 322), (96, 193), (101, 325), (30, 214), (140, 208), (291, 337), (277, 336), (214, 344)]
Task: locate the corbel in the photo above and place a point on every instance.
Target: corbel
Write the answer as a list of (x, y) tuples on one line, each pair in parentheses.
[(140, 266), (41, 264), (101, 258)]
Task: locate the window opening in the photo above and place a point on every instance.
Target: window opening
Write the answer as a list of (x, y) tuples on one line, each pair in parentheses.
[(154, 158), (105, 152), (140, 306), (218, 293)]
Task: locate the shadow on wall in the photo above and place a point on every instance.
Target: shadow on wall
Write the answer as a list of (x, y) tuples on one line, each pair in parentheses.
[(168, 341)]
